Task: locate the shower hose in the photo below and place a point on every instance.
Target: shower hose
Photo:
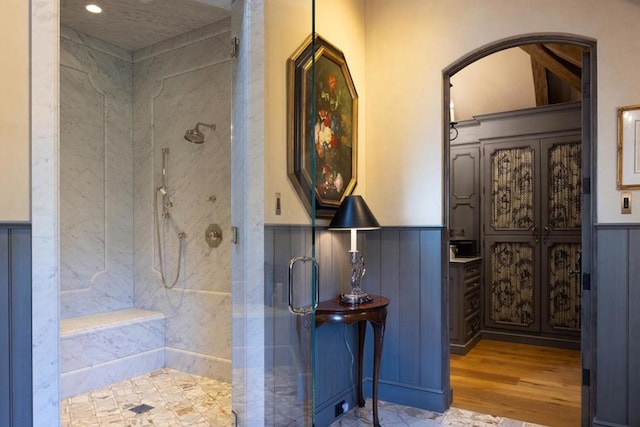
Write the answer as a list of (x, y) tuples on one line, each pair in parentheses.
[(181, 237)]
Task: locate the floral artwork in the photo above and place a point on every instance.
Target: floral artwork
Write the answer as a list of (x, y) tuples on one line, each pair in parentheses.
[(332, 130), (322, 133)]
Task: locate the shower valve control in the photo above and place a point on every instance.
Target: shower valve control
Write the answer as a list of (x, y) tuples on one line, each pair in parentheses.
[(213, 235)]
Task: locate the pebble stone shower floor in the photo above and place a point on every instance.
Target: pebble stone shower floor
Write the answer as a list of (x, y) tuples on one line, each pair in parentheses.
[(171, 398), (177, 399)]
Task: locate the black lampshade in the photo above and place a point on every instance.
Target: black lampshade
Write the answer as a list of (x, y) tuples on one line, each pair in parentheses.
[(354, 213)]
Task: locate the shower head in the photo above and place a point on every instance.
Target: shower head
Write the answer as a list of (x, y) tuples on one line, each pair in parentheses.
[(194, 135)]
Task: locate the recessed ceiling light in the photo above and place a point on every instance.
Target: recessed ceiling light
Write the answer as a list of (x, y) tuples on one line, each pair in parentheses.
[(93, 8)]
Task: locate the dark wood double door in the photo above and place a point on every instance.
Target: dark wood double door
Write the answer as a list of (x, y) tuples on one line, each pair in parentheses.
[(532, 210)]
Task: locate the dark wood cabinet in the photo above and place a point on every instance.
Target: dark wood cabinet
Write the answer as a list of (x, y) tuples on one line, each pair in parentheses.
[(465, 304), (516, 187), (464, 194), (531, 207)]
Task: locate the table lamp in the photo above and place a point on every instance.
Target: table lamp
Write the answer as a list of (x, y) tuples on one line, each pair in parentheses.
[(354, 214)]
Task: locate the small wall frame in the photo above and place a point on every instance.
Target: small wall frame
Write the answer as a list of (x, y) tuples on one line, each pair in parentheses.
[(628, 148), (322, 126)]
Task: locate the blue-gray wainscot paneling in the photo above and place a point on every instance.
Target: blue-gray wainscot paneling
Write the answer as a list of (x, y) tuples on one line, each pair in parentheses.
[(404, 264), (617, 346), (15, 326)]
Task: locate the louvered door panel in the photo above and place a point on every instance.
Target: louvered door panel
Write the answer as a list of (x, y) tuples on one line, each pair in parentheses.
[(532, 206), (512, 283), (511, 186), (561, 296), (561, 237)]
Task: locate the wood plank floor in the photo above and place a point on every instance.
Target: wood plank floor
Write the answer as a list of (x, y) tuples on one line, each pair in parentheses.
[(529, 383)]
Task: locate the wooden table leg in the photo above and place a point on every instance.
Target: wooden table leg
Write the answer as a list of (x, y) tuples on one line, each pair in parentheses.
[(374, 312), (378, 336), (362, 329)]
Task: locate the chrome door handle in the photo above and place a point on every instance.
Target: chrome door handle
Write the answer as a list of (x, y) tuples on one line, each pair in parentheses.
[(302, 311)]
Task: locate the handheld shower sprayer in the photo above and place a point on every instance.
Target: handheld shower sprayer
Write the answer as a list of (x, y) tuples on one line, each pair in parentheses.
[(167, 204), (194, 135)]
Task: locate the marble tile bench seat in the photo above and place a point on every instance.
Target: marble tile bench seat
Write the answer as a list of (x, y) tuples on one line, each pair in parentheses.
[(104, 348)]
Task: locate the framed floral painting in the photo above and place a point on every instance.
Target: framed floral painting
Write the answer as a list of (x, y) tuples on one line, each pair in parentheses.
[(322, 116)]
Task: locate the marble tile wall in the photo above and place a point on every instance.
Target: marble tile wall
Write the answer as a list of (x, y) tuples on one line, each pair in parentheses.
[(44, 78), (177, 84), (247, 208), (102, 374), (108, 336), (44, 209), (101, 349), (96, 175)]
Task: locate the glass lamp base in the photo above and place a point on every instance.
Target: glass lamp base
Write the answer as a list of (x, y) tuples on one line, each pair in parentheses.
[(355, 298)]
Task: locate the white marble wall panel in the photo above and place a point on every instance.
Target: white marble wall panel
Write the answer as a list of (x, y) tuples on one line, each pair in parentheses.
[(206, 329), (248, 212), (206, 32), (177, 84), (199, 364), (96, 175), (196, 172), (95, 44), (82, 112), (99, 375), (85, 346), (44, 210)]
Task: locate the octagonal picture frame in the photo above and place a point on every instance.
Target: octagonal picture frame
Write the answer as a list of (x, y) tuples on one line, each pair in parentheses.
[(331, 134)]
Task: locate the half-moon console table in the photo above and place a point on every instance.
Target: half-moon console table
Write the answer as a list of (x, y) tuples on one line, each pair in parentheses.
[(375, 312)]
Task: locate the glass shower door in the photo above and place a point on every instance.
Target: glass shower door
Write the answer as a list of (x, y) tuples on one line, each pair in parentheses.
[(274, 281), (290, 358), (293, 381)]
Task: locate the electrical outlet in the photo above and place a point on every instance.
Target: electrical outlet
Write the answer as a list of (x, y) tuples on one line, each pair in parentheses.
[(625, 205), (340, 408)]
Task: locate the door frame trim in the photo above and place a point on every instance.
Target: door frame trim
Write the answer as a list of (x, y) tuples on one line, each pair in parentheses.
[(589, 127)]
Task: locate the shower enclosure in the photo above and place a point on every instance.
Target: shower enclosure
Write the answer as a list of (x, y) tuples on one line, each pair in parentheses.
[(145, 224), (141, 200)]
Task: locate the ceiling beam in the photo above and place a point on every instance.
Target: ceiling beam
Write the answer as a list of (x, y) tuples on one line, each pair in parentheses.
[(540, 84), (569, 52), (558, 66)]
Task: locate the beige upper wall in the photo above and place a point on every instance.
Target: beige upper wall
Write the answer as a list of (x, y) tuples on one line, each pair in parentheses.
[(410, 42), (404, 45), (287, 25), (499, 82), (397, 51), (14, 112)]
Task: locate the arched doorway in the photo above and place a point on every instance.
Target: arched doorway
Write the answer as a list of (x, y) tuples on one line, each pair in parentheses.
[(588, 117)]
